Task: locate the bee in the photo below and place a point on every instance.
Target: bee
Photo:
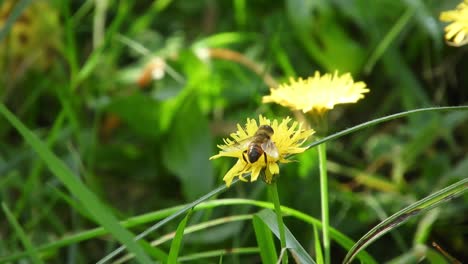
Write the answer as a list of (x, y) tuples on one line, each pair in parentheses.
[(260, 145)]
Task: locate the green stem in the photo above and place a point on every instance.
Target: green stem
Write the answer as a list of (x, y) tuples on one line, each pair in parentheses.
[(322, 152), (273, 189)]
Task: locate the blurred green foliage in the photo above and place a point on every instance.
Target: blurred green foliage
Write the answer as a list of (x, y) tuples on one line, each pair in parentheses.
[(135, 95)]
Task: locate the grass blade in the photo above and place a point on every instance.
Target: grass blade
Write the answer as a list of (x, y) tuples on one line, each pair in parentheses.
[(388, 39), (177, 241), (264, 241), (188, 230), (166, 220), (318, 248), (384, 119), (170, 213), (298, 252), (404, 215), (32, 252), (87, 198), (217, 253)]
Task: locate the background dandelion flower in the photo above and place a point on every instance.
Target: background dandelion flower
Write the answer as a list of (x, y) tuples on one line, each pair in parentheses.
[(320, 93), (287, 139), (456, 33)]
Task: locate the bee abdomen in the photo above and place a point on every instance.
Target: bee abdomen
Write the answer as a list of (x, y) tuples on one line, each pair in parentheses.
[(254, 153)]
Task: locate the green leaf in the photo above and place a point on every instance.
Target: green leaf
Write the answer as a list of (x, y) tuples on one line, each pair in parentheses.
[(298, 252), (188, 148), (264, 241), (88, 199), (32, 252), (140, 112), (331, 46), (72, 203), (407, 213), (177, 241)]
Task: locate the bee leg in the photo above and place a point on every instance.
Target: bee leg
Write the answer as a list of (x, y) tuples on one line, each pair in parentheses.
[(264, 178), (243, 156), (247, 163)]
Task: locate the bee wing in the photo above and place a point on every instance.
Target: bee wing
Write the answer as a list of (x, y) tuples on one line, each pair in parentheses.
[(238, 145), (270, 148)]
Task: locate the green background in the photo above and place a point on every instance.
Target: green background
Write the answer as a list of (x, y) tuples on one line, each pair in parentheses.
[(71, 72)]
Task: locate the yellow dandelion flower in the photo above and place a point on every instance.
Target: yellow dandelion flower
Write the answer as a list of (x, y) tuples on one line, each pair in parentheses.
[(320, 93), (251, 142), (456, 33)]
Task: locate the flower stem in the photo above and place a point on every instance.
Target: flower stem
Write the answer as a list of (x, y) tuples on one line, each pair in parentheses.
[(273, 190), (322, 152)]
